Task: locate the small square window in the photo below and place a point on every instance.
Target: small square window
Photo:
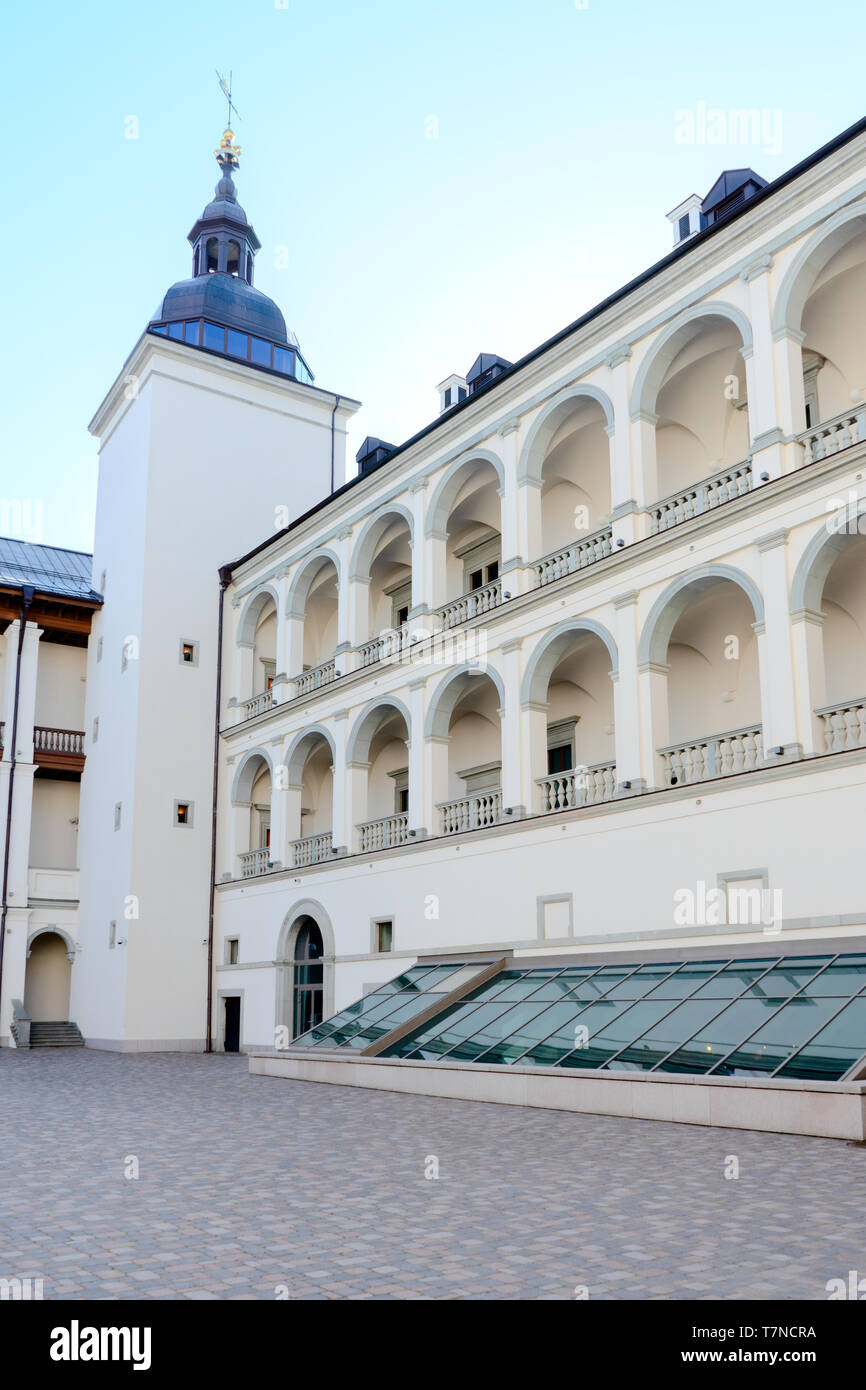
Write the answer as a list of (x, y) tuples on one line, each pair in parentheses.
[(183, 813), (232, 945), (117, 810), (384, 935), (99, 649), (112, 935), (189, 653), (96, 729)]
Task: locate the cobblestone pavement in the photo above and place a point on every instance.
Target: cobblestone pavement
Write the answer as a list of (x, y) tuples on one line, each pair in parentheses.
[(251, 1184)]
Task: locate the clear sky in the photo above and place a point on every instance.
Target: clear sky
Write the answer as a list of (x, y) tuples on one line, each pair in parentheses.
[(448, 178)]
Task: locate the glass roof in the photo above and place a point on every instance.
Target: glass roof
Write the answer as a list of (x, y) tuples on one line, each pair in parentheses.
[(802, 1017)]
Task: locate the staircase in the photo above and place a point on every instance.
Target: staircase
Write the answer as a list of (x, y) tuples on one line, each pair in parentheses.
[(55, 1035)]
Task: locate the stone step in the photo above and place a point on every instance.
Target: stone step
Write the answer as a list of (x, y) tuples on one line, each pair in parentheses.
[(55, 1034)]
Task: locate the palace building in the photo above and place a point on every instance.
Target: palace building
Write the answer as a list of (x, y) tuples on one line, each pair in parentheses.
[(574, 680)]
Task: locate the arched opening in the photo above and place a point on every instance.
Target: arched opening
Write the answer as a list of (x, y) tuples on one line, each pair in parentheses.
[(211, 255), (320, 615), (251, 805), (575, 476), (712, 701), (233, 258), (472, 524), (831, 602), (573, 744), (833, 348), (308, 978), (47, 979), (385, 560), (379, 767), (465, 725), (702, 426), (310, 799)]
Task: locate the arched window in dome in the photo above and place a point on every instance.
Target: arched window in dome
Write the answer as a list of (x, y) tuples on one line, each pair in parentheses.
[(249, 274), (195, 261), (212, 254), (233, 260)]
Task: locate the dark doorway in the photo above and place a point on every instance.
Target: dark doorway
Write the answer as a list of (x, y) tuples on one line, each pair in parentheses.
[(309, 979), (233, 1023)]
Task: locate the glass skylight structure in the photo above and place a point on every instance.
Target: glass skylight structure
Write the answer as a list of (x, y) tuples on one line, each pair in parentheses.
[(802, 1017), (259, 352)]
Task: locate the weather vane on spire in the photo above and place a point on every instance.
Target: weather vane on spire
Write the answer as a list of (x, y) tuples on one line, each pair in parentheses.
[(227, 156)]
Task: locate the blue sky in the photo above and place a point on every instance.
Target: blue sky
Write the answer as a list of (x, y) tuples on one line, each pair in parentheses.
[(448, 178)]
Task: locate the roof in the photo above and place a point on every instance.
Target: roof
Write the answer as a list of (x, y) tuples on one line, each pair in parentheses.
[(728, 182), (51, 570), (227, 301)]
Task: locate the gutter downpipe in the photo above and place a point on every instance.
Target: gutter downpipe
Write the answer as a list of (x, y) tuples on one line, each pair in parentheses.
[(225, 575), (27, 593), (337, 400)]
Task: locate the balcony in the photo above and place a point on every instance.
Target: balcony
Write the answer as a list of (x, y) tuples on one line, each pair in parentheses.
[(716, 755), (313, 849), (844, 725), (471, 605), (257, 705), (470, 812), (382, 648), (704, 496), (55, 886), (255, 862), (834, 435), (385, 833), (573, 557), (582, 786), (315, 678), (60, 749)]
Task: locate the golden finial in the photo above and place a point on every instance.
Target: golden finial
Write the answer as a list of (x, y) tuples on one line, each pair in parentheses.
[(228, 154)]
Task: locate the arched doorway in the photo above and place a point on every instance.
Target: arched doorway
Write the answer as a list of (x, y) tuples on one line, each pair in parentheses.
[(46, 981), (308, 984)]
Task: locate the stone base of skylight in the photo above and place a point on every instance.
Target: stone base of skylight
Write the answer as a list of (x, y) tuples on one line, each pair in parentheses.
[(824, 1109)]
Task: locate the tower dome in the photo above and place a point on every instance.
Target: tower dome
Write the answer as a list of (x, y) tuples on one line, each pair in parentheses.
[(218, 308)]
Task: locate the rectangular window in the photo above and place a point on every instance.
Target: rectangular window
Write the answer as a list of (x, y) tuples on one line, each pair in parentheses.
[(447, 397), (684, 226), (112, 935), (175, 330), (214, 337), (283, 360), (99, 649), (384, 936), (117, 811), (189, 653), (183, 813), (559, 759), (237, 343), (96, 729), (260, 352), (191, 332), (232, 951)]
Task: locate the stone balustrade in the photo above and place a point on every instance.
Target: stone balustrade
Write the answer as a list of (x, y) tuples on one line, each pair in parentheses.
[(313, 849), (844, 725), (574, 557), (715, 755), (580, 786), (834, 434), (471, 605), (257, 705), (255, 862), (470, 812), (384, 833), (702, 497), (315, 678)]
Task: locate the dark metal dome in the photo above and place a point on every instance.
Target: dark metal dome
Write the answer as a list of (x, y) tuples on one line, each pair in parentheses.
[(226, 300)]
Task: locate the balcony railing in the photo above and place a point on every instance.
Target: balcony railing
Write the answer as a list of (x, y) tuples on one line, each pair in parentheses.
[(58, 741), (716, 755), (834, 434), (702, 497), (844, 725), (315, 678), (573, 557), (314, 849), (384, 647), (385, 833), (471, 605), (255, 862), (257, 705), (581, 786), (470, 812)]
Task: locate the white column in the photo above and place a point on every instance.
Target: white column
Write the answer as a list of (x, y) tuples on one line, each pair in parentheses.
[(646, 484), (779, 715), (435, 568), (531, 533), (344, 788), (512, 561), (810, 685), (418, 809), (15, 946), (512, 773), (792, 399), (279, 798), (420, 590), (282, 687), (654, 719), (436, 778), (342, 546), (534, 733), (623, 508), (626, 695), (764, 433)]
